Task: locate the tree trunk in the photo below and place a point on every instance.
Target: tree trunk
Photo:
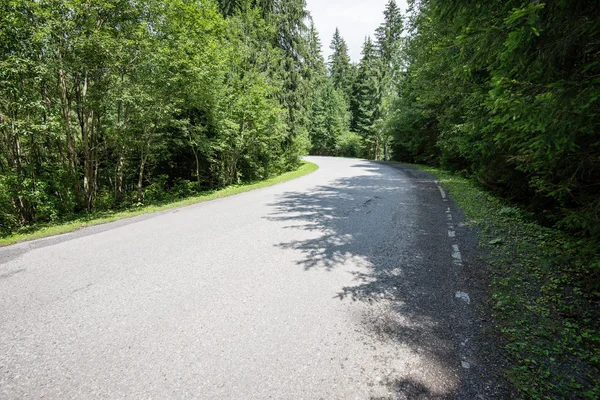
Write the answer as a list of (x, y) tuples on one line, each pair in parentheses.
[(376, 149), (385, 151), (119, 177), (140, 192), (86, 120), (88, 162), (66, 114), (121, 124), (20, 202), (197, 166), (66, 110)]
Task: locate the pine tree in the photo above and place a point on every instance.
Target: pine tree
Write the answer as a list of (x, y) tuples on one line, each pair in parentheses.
[(330, 119), (389, 42), (389, 34), (340, 66), (366, 99), (315, 63), (294, 70)]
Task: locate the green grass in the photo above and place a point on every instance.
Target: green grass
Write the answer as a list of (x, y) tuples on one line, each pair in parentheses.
[(541, 295), (41, 231)]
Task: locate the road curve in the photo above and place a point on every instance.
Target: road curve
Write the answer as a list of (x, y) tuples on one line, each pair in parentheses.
[(343, 284)]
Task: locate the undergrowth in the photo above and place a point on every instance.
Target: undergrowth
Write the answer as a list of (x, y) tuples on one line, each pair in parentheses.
[(50, 229)]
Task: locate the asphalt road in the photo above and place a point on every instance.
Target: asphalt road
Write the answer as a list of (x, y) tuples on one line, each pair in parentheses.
[(343, 284)]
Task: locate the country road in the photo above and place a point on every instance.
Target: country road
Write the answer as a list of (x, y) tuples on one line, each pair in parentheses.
[(344, 284)]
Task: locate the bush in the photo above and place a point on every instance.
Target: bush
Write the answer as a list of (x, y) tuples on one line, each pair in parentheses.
[(349, 144), (183, 188), (157, 190)]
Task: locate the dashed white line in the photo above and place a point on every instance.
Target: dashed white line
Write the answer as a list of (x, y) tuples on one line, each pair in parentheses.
[(458, 262), (442, 191), (456, 253)]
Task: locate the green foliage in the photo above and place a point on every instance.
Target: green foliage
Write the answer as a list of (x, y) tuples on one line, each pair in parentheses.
[(349, 144), (366, 97), (341, 70), (100, 101), (389, 36), (509, 93), (330, 119)]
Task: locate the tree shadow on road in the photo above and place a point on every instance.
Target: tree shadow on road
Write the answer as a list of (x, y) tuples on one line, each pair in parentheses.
[(392, 223)]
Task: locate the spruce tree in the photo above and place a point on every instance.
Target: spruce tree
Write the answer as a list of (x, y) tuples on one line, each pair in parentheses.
[(366, 99), (389, 34), (315, 63), (330, 119), (389, 42), (340, 66)]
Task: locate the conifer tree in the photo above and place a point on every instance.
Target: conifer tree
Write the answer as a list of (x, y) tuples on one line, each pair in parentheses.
[(340, 66), (366, 99), (389, 42), (389, 34), (330, 119), (315, 62)]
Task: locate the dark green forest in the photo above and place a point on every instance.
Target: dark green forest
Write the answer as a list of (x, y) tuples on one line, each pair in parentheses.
[(508, 92)]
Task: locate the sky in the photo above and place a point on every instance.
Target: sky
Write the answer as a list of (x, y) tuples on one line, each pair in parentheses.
[(355, 19)]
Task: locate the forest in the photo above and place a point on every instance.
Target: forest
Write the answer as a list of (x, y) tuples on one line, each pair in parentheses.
[(117, 104)]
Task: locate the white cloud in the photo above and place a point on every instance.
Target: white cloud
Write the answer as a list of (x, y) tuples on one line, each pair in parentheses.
[(356, 19)]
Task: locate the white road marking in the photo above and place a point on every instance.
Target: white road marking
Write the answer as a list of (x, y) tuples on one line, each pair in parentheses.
[(442, 192), (457, 261), (456, 255), (463, 296)]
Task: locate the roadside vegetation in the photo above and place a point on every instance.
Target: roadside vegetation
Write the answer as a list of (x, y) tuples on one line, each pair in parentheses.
[(507, 95), (111, 105), (166, 201)]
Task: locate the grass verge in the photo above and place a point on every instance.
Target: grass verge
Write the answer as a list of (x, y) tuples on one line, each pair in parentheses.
[(547, 313), (41, 231)]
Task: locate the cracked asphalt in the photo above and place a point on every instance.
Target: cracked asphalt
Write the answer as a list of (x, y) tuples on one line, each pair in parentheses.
[(343, 284)]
